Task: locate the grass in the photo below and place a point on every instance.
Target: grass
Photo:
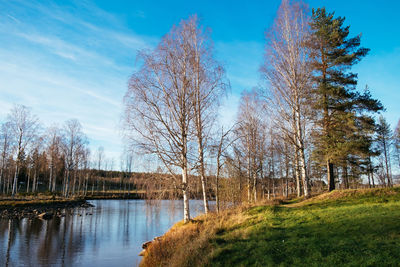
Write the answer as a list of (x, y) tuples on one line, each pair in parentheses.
[(349, 227)]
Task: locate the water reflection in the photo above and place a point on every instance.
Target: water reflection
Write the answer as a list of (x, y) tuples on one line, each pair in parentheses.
[(109, 234)]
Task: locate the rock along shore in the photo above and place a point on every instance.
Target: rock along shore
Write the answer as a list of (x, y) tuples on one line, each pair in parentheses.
[(43, 210)]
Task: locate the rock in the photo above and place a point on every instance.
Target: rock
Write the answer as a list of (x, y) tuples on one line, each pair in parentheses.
[(45, 216)]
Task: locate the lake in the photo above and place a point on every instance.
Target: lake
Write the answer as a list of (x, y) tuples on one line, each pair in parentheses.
[(109, 234)]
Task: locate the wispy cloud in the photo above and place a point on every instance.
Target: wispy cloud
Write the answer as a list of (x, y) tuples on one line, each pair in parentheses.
[(68, 63)]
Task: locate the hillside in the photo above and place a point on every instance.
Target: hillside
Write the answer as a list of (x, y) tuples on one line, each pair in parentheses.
[(350, 227)]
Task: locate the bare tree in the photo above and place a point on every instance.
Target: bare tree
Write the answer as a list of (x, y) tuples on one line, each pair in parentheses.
[(158, 106), (384, 142), (288, 73), (5, 143), (100, 159), (250, 134), (219, 149), (208, 84), (24, 127), (54, 142), (73, 144), (396, 138), (37, 148)]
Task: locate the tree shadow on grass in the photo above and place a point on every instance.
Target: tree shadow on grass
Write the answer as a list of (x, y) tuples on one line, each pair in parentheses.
[(351, 236)]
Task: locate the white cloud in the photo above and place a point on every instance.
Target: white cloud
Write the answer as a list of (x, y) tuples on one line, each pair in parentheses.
[(65, 73)]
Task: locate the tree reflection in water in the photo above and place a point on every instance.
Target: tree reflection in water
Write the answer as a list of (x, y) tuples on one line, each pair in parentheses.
[(111, 233)]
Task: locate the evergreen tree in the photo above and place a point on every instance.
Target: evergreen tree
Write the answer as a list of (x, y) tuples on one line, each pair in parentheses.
[(340, 109)]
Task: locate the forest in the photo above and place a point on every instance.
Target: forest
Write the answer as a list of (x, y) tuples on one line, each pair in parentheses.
[(54, 160)]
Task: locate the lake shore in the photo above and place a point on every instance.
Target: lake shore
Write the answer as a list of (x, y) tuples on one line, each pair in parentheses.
[(39, 208), (34, 206), (347, 227)]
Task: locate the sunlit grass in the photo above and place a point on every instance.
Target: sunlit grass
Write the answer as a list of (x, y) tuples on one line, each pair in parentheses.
[(351, 227)]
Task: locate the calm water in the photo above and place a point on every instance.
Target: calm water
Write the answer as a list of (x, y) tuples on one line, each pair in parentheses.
[(111, 236)]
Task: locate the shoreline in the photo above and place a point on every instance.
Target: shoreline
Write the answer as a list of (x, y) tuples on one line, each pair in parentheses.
[(39, 208), (133, 195), (47, 207)]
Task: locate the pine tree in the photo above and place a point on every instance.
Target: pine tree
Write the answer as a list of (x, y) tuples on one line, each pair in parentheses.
[(340, 108)]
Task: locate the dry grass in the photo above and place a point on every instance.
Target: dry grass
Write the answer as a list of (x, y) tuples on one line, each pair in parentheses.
[(186, 244), (336, 228)]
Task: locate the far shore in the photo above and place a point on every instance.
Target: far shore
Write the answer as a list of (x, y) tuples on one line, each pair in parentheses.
[(31, 206)]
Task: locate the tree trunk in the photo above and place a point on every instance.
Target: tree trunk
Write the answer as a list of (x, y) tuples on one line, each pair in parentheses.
[(202, 176), (29, 178), (300, 146), (34, 181), (255, 187), (51, 175), (249, 173), (15, 182), (345, 176), (2, 182), (369, 179), (304, 176), (217, 188), (54, 180), (296, 171), (331, 175), (186, 212)]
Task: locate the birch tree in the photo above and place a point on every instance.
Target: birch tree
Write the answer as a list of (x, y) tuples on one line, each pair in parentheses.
[(53, 147), (219, 149), (73, 143), (250, 134), (24, 127), (383, 140), (288, 73), (5, 146), (158, 106), (208, 84), (396, 138)]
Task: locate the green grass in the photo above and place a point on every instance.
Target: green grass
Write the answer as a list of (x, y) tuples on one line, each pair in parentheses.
[(351, 228)]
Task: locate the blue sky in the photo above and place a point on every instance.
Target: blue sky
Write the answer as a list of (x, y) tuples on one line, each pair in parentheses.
[(72, 59)]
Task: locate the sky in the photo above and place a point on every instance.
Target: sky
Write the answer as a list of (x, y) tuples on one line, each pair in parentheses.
[(73, 59)]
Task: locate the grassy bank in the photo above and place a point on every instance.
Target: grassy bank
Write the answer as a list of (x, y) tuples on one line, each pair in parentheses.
[(352, 227)]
